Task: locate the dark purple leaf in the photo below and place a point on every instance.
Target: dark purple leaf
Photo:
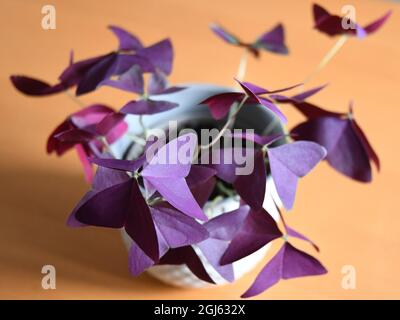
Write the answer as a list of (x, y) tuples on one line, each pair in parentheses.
[(139, 223), (108, 207), (251, 187), (186, 255), (288, 263), (332, 25), (202, 191), (131, 81), (377, 24), (220, 104), (229, 162), (96, 74), (257, 230), (122, 165), (199, 174), (346, 153), (147, 106), (34, 87)]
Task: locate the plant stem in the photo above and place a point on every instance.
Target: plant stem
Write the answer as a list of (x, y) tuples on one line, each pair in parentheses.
[(241, 72), (230, 120), (107, 146), (74, 99), (136, 138), (228, 192), (328, 57), (144, 129)]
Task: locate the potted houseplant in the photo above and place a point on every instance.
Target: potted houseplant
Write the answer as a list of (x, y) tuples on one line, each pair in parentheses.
[(196, 175)]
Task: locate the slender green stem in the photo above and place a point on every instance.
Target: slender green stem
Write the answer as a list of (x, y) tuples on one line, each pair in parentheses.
[(74, 99), (152, 202), (107, 146), (230, 120), (144, 129), (241, 72), (136, 138), (228, 192), (328, 57)]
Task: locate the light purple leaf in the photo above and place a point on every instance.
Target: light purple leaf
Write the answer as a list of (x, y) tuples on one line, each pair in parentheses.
[(291, 161), (174, 159), (225, 226), (177, 193), (224, 35), (273, 40), (293, 233), (157, 83), (138, 261), (213, 250), (127, 41), (160, 55), (167, 171), (177, 229)]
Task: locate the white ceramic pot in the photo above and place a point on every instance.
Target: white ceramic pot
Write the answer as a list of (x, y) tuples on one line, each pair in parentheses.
[(189, 112)]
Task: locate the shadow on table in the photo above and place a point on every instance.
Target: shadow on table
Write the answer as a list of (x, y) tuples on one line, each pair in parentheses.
[(35, 205)]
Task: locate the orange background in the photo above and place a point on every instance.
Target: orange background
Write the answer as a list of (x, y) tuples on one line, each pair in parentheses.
[(354, 224)]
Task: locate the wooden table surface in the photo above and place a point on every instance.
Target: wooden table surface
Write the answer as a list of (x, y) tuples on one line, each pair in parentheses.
[(354, 224)]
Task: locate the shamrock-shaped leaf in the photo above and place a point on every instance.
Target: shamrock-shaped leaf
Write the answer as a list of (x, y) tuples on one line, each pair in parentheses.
[(289, 162), (127, 41), (288, 263), (272, 41), (333, 25), (220, 104), (257, 230)]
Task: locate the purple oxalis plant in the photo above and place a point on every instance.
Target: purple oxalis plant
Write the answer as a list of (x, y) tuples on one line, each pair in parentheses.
[(160, 204)]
